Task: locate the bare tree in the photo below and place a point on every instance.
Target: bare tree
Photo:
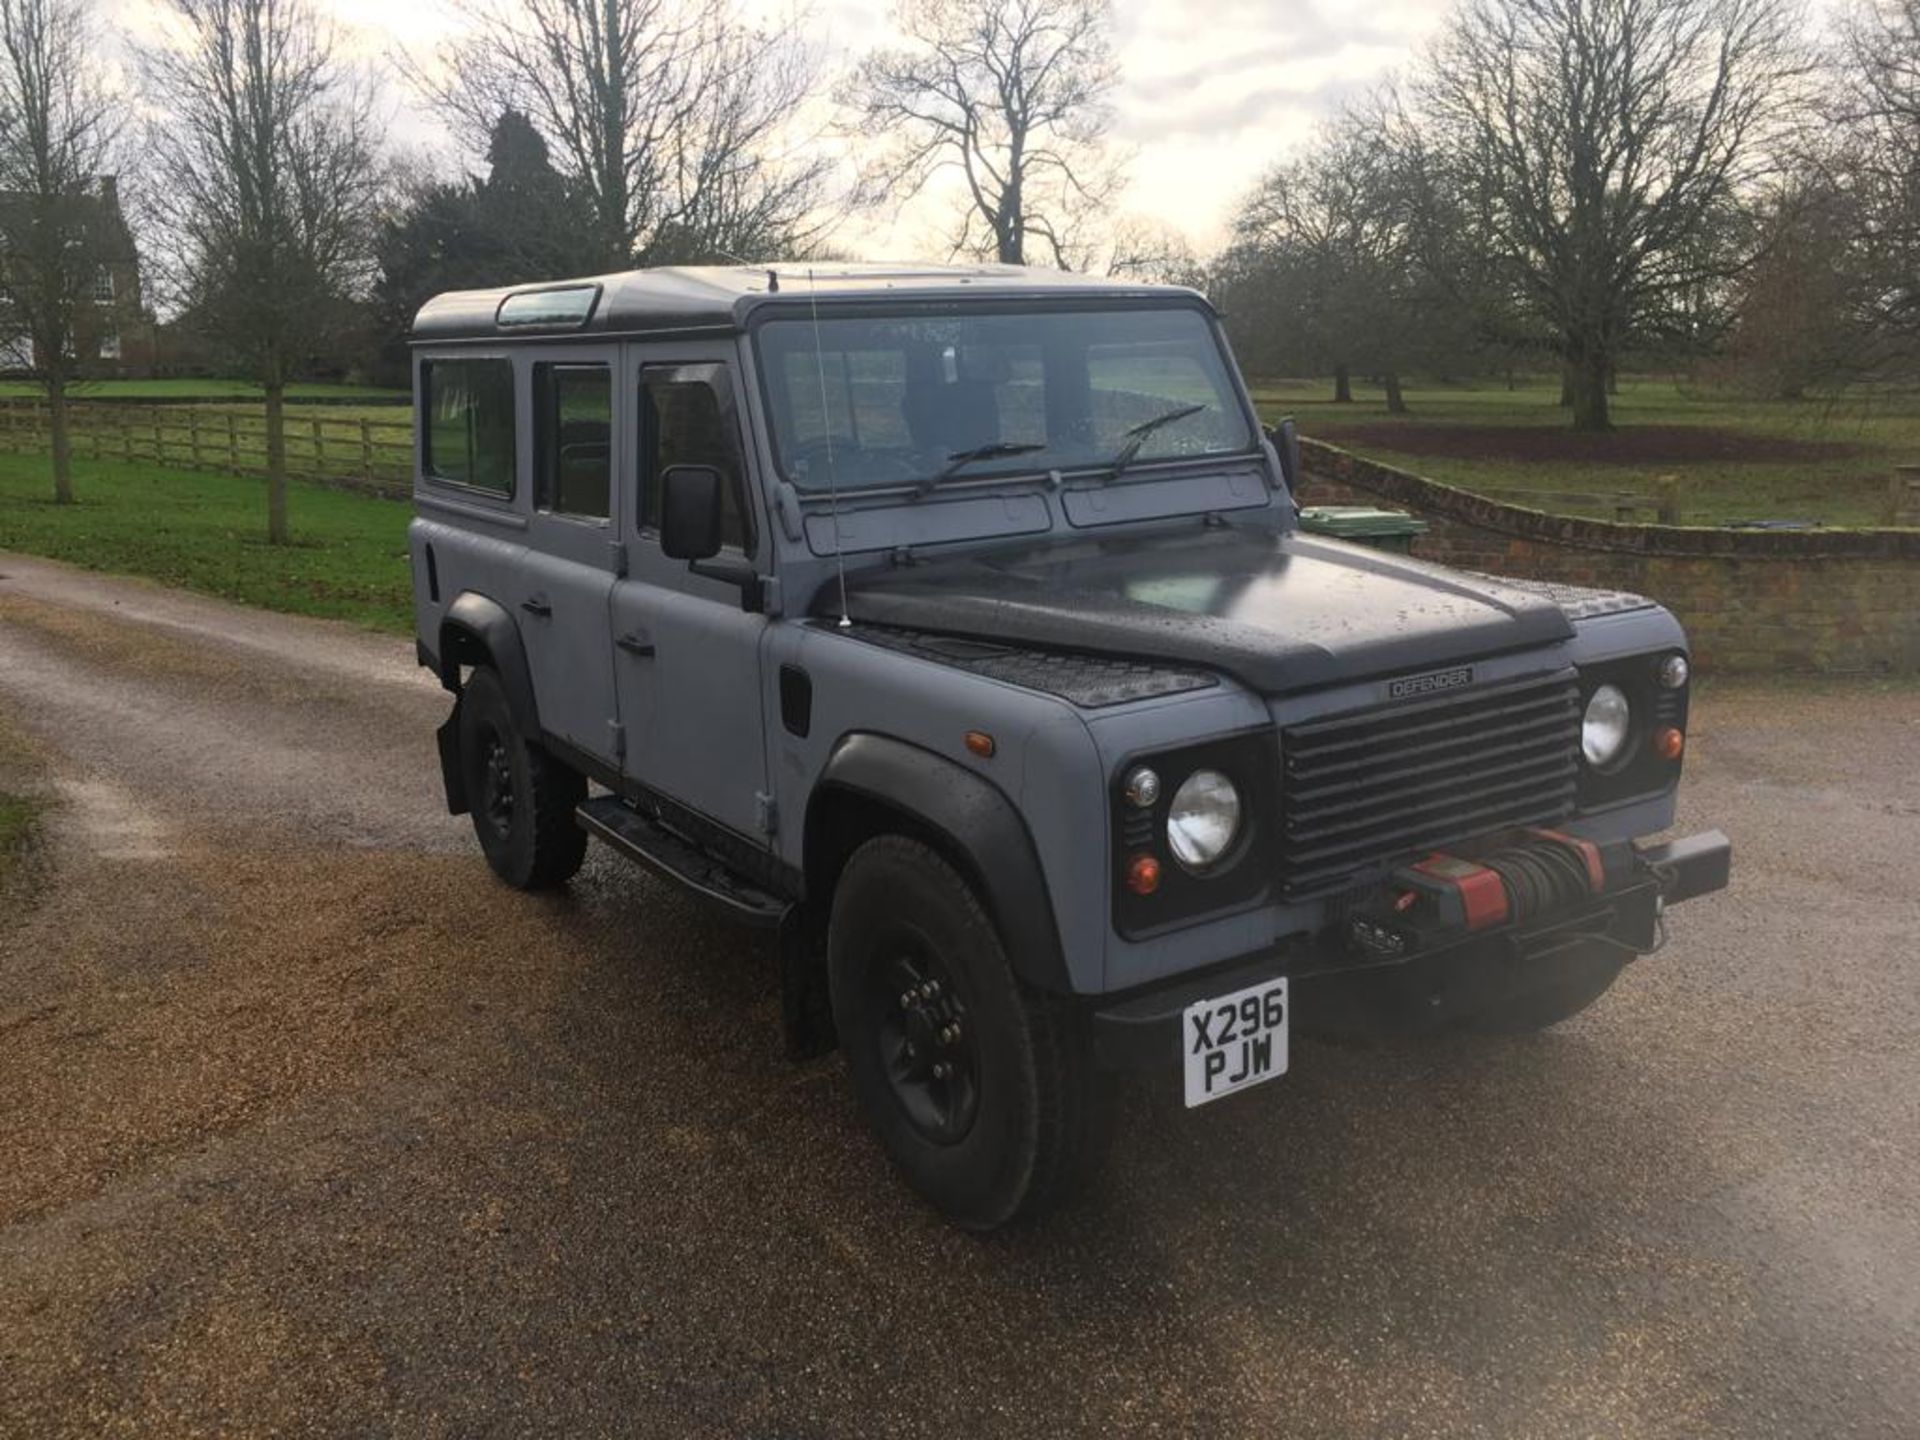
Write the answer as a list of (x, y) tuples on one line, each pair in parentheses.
[(1793, 321), (1602, 142), (1873, 158), (1009, 94), (268, 186), (1339, 237), (674, 121), (57, 131), (1139, 248)]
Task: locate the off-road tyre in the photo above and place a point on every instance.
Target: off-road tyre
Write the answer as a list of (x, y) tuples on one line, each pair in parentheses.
[(1580, 976), (1037, 1115), (530, 840)]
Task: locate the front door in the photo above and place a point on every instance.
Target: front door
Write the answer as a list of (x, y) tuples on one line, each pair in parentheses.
[(569, 569), (686, 655)]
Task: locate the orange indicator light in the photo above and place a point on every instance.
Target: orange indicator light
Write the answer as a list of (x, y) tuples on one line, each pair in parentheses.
[(1143, 875), (1668, 742), (980, 743)]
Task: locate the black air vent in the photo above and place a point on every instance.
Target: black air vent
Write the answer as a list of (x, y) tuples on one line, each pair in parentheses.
[(1361, 792)]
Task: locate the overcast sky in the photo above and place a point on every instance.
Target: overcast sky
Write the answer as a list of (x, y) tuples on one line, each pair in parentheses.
[(1211, 93)]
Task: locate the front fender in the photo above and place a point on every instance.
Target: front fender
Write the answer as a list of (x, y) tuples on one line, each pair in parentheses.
[(968, 817)]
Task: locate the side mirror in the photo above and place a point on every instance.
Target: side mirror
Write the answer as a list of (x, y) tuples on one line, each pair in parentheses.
[(690, 498), (1286, 443)]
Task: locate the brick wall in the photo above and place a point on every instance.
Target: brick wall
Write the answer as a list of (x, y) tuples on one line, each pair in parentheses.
[(1839, 601)]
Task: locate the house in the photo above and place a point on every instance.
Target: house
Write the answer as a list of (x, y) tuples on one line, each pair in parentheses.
[(113, 331)]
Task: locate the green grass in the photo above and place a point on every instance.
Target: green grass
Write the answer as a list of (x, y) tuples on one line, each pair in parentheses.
[(173, 389), (207, 532), (1879, 428)]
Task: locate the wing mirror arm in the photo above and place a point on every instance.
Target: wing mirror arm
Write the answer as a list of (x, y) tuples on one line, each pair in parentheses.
[(735, 571), (1285, 438)]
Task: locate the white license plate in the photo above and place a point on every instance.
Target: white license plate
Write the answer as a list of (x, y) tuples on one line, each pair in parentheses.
[(1235, 1041)]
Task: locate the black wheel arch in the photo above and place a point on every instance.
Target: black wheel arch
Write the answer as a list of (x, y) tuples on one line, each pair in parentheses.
[(877, 784), (475, 631)]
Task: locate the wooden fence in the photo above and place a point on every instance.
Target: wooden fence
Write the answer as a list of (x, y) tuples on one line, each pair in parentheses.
[(345, 451)]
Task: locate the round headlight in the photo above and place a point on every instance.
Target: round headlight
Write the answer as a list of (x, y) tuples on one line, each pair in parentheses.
[(1674, 672), (1603, 733), (1203, 820)]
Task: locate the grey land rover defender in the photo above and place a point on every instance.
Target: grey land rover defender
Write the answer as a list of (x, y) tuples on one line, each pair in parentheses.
[(957, 623)]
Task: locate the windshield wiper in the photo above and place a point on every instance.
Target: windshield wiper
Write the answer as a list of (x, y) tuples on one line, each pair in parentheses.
[(1137, 435), (958, 460)]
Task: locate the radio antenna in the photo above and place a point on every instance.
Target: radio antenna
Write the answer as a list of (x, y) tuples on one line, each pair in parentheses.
[(826, 435)]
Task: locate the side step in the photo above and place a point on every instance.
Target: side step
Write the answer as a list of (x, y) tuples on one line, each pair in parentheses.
[(641, 838)]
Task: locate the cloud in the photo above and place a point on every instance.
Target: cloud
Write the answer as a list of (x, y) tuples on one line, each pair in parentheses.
[(1318, 44)]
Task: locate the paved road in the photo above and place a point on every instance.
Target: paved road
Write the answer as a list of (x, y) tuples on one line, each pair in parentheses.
[(308, 1127)]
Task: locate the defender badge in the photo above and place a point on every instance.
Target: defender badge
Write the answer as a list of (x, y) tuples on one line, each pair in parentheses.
[(1430, 684)]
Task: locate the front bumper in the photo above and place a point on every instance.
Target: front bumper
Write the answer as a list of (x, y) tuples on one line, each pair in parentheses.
[(1430, 988)]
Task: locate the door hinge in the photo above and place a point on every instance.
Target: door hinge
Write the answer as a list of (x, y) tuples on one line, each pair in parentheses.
[(766, 812), (617, 558), (617, 736)]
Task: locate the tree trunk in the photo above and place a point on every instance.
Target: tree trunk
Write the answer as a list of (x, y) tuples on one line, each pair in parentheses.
[(1396, 402), (1342, 386), (61, 439), (1566, 384), (276, 463), (1588, 375)]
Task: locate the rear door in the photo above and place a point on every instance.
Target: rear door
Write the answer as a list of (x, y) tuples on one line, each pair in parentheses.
[(687, 656), (567, 578)]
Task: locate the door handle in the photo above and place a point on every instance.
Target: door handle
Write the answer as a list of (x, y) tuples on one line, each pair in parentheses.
[(636, 642), (536, 605)]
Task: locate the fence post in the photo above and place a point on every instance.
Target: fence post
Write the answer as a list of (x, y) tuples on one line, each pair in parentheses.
[(1668, 489), (193, 437), (366, 450), (319, 449), (233, 444), (159, 438)]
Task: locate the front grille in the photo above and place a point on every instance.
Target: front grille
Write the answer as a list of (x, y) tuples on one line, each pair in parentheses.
[(1363, 790)]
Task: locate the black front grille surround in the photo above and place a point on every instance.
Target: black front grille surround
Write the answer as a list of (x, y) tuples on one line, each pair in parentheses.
[(1361, 791), (1242, 878), (1641, 771)]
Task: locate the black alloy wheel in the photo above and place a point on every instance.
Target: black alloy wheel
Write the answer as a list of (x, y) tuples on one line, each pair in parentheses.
[(925, 1041), (496, 783)]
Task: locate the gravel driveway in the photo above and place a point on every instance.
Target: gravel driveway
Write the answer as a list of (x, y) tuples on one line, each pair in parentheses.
[(308, 1127)]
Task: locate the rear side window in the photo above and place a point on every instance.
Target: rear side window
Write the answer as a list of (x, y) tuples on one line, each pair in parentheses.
[(573, 439), (468, 429)]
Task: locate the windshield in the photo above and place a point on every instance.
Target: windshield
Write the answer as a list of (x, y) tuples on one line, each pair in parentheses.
[(898, 400)]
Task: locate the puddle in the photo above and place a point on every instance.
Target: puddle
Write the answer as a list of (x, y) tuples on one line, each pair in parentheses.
[(108, 822)]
